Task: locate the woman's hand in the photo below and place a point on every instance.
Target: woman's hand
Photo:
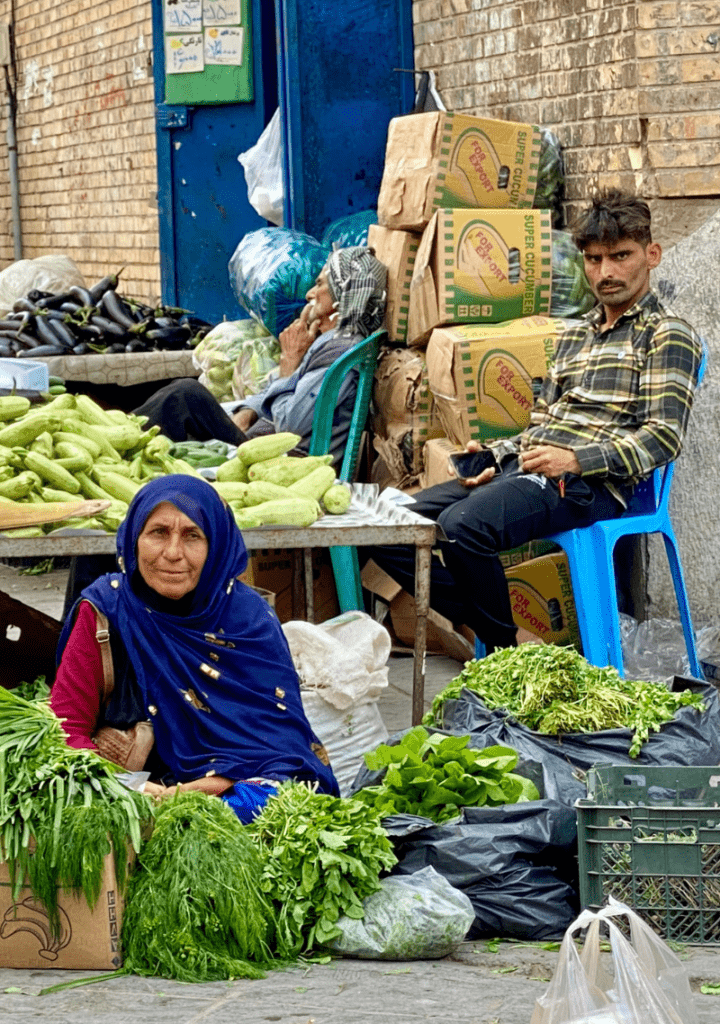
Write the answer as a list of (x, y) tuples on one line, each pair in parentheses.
[(214, 785), (295, 340)]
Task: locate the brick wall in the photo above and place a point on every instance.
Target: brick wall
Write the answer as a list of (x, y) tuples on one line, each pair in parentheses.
[(86, 139), (631, 87)]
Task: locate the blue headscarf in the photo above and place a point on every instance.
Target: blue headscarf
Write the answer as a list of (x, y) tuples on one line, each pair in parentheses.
[(218, 680)]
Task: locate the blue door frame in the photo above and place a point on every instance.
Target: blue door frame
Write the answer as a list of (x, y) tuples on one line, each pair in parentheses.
[(330, 66)]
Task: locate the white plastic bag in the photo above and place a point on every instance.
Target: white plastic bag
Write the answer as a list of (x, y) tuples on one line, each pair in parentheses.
[(52, 273), (263, 165), (411, 917), (647, 983), (228, 344), (342, 665)]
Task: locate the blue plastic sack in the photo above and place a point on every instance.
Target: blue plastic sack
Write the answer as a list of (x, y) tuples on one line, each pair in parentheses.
[(349, 231), (271, 271)]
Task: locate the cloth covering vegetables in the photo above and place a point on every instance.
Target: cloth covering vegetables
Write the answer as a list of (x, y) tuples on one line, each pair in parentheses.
[(555, 690)]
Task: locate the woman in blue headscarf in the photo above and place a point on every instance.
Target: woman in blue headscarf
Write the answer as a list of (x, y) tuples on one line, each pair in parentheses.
[(195, 652)]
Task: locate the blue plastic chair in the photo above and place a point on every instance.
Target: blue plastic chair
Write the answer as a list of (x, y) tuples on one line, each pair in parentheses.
[(345, 563), (589, 551)]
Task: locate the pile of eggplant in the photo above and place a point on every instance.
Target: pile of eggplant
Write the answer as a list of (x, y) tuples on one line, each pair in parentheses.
[(81, 321)]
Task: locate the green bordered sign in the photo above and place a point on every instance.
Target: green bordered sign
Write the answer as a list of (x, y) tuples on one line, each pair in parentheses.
[(208, 51)]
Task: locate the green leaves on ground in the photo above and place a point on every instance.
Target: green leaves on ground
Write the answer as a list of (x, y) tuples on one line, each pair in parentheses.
[(435, 776), (555, 690), (195, 909), (322, 855)]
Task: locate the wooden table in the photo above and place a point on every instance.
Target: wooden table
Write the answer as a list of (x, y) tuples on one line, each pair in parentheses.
[(371, 521)]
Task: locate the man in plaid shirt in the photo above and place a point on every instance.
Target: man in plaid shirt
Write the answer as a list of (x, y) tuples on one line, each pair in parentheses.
[(613, 407)]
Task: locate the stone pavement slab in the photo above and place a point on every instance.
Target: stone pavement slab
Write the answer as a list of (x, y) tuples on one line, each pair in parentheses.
[(475, 986)]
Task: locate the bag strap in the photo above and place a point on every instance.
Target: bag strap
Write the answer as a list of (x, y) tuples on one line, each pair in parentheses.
[(102, 635)]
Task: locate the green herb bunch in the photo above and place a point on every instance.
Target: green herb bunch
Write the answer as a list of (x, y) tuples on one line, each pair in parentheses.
[(66, 802), (555, 690), (195, 910), (322, 856), (434, 776)]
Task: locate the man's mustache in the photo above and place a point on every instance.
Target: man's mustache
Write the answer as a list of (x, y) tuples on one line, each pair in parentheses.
[(610, 283)]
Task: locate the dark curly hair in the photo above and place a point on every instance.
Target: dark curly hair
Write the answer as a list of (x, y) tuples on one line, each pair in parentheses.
[(613, 215)]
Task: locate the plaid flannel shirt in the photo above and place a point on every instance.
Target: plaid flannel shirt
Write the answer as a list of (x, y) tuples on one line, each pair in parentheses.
[(619, 399)]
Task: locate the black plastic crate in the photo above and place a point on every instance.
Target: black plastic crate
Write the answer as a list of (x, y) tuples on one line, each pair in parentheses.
[(650, 837)]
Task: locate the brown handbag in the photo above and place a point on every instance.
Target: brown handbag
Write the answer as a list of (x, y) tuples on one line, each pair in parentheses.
[(130, 748)]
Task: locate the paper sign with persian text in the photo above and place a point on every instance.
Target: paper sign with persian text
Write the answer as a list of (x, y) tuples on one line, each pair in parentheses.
[(183, 15), (224, 46), (184, 53), (221, 12)]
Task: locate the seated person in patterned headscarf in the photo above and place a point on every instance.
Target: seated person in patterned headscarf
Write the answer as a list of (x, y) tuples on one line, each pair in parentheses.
[(345, 305), (174, 666)]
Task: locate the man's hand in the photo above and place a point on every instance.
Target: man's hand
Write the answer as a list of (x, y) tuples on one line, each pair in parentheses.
[(547, 460), (473, 481), (244, 419), (295, 340)]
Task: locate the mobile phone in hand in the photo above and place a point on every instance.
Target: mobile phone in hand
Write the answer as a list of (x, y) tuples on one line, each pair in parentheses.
[(471, 464)]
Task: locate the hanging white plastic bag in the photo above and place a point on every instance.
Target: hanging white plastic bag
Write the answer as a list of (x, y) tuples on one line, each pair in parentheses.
[(263, 165), (411, 917), (647, 983)]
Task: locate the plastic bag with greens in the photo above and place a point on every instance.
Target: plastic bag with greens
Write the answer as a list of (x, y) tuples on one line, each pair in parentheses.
[(571, 295), (551, 176), (349, 231), (411, 917), (271, 271)]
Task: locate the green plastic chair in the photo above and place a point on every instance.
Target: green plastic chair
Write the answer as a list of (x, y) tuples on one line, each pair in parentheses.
[(346, 567)]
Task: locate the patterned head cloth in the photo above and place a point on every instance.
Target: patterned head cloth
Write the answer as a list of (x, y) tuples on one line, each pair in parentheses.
[(358, 284)]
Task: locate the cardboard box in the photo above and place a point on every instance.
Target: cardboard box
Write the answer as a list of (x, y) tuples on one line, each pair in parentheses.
[(484, 378), (444, 159), (272, 570), (480, 266), (405, 416), (397, 251), (441, 637), (435, 461), (89, 940), (542, 599)]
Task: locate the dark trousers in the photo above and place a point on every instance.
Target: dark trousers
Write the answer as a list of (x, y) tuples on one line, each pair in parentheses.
[(185, 410), (469, 586)]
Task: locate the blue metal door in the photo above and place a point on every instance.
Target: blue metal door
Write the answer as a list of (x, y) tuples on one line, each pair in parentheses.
[(335, 63), (202, 195), (339, 87)]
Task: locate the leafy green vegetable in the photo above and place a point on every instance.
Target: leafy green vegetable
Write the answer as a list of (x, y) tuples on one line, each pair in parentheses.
[(37, 690), (434, 776), (195, 910), (555, 690), (322, 856), (64, 800)]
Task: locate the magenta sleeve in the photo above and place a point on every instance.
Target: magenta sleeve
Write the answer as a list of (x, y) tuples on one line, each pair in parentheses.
[(76, 693)]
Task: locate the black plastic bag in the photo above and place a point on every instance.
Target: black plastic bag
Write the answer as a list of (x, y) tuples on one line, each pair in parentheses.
[(689, 739), (516, 864)]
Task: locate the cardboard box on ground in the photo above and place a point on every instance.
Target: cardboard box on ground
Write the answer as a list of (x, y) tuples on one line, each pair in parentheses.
[(270, 570), (89, 940), (444, 159)]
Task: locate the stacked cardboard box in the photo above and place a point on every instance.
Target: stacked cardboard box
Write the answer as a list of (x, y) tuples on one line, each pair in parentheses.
[(469, 291)]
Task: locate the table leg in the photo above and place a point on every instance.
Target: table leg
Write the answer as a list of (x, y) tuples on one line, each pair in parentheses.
[(422, 605), (309, 585)]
